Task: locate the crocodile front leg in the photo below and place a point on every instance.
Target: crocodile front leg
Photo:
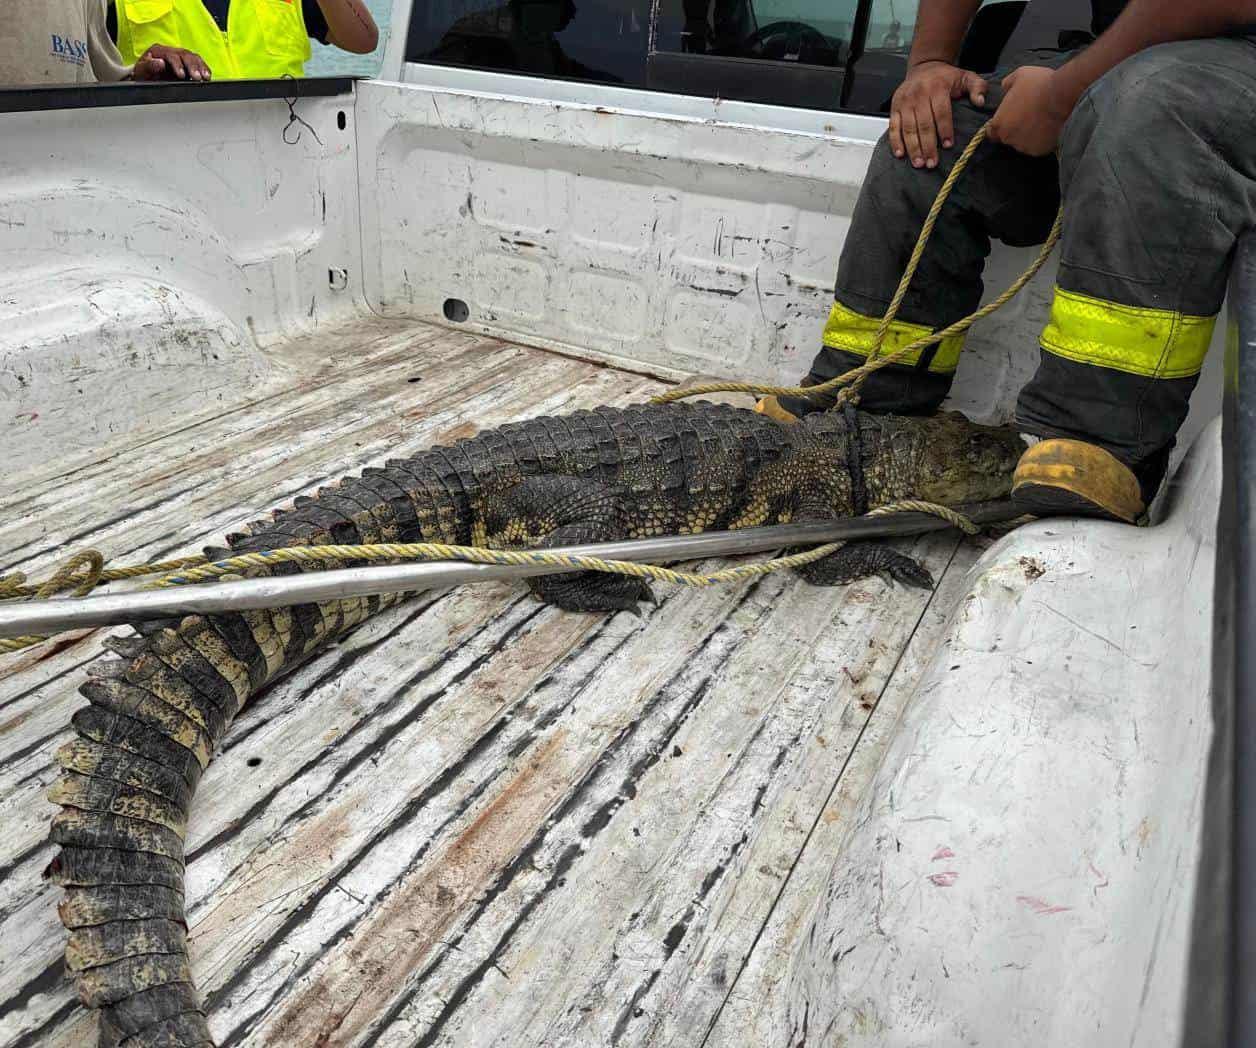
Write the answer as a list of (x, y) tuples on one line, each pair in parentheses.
[(855, 560)]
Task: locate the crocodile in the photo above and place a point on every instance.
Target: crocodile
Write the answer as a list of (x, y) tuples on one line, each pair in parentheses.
[(158, 710)]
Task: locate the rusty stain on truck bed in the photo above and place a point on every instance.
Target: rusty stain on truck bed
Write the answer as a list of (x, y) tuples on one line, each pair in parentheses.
[(404, 928)]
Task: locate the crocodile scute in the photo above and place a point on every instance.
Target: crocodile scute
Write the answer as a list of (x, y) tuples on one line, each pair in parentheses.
[(158, 710)]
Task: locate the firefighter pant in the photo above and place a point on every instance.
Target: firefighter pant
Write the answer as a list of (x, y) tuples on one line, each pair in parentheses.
[(1157, 166)]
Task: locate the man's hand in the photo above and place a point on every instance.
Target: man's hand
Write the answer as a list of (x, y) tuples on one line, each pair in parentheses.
[(920, 113), (170, 63), (1033, 112)]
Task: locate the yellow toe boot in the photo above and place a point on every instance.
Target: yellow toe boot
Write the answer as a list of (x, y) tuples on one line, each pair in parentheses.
[(771, 407), (1060, 477)]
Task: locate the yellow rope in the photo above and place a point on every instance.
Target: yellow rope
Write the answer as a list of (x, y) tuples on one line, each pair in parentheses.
[(428, 551), (199, 571), (952, 517), (854, 378), (12, 586)]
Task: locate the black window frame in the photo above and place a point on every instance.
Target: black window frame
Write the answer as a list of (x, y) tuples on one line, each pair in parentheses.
[(709, 76)]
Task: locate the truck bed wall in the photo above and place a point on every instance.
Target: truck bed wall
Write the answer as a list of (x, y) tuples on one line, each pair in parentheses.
[(662, 231), (684, 238), (151, 256)]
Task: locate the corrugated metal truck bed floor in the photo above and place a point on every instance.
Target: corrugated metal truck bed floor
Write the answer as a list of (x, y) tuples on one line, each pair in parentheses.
[(478, 820)]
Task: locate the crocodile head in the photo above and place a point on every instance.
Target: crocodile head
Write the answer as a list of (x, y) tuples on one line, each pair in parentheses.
[(958, 461)]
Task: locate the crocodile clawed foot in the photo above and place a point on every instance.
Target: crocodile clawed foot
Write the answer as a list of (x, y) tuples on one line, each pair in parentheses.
[(594, 591), (858, 560), (910, 573)]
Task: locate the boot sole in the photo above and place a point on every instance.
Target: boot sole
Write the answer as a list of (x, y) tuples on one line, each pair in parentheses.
[(1043, 500)]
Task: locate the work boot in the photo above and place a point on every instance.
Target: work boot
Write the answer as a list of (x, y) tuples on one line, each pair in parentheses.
[(771, 407), (1066, 478)]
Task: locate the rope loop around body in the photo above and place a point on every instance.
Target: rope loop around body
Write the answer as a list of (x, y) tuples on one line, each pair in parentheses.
[(15, 585), (849, 382)]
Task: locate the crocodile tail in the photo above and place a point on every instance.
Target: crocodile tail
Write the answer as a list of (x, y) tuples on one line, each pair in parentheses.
[(125, 790), (156, 714), (155, 718)]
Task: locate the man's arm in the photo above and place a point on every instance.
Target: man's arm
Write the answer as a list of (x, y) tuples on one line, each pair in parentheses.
[(350, 26), (157, 63), (940, 29), (107, 64), (1038, 102), (920, 113)]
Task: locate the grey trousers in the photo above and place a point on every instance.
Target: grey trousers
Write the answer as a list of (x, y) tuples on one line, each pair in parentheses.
[(1157, 168)]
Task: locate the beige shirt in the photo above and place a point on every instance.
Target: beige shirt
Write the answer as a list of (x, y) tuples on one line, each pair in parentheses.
[(57, 42)]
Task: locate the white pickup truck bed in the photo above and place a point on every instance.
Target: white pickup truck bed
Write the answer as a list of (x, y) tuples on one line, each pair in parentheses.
[(761, 815), (478, 820)]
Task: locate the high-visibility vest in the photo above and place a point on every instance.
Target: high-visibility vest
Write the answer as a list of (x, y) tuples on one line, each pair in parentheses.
[(264, 38)]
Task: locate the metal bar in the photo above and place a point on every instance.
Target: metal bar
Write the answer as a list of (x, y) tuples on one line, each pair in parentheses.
[(54, 616)]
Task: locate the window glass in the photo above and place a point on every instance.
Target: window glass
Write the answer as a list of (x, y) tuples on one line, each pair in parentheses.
[(813, 32), (782, 52), (891, 26), (598, 40)]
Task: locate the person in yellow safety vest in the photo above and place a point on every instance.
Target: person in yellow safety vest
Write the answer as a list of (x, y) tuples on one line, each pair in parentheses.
[(246, 39), (1149, 135), (65, 42)]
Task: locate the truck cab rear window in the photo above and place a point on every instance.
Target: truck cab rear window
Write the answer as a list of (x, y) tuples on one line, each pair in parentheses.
[(787, 52), (845, 55), (602, 41)]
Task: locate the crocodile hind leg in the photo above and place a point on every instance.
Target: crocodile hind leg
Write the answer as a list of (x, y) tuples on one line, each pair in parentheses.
[(551, 511)]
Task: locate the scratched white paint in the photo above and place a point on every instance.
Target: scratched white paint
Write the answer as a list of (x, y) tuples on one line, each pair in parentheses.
[(1021, 869), (148, 254), (667, 232)]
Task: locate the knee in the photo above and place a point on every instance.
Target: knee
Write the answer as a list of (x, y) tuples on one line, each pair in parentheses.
[(1125, 109), (888, 176)]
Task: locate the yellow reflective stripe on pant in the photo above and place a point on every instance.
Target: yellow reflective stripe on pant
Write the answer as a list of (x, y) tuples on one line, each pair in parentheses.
[(854, 332), (1157, 343)]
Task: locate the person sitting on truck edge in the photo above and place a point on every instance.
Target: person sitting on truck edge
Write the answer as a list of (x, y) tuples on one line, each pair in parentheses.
[(64, 41), (245, 39), (1155, 122)]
